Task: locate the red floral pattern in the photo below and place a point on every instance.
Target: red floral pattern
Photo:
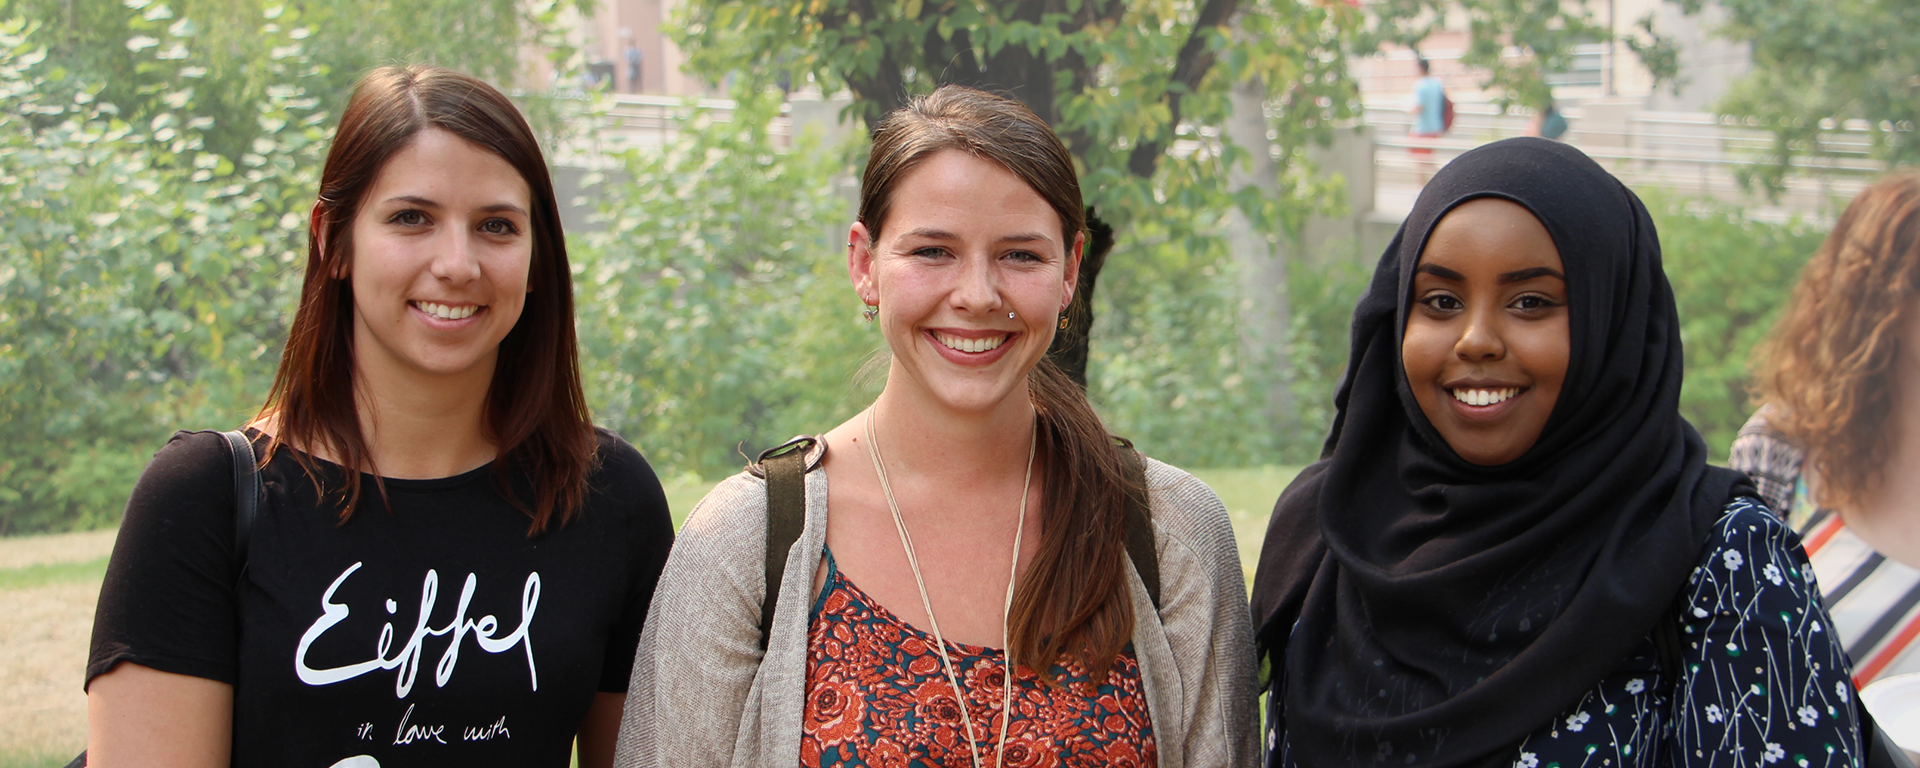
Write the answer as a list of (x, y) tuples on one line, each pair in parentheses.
[(877, 695)]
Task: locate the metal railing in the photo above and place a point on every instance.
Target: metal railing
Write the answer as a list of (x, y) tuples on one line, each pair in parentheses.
[(1690, 153)]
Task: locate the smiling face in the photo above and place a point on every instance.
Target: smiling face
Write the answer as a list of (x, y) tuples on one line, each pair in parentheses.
[(441, 251), (1487, 339), (965, 242)]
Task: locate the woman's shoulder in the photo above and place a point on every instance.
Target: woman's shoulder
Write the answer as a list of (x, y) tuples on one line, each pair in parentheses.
[(1747, 522), (731, 520), (1185, 508), (191, 463)]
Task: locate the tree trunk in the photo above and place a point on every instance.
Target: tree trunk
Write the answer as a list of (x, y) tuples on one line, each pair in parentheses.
[(1069, 349), (1265, 314)]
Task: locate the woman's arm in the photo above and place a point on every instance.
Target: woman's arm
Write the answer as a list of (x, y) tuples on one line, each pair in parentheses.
[(138, 716), (165, 642), (598, 731), (1765, 679), (700, 651), (1204, 613)]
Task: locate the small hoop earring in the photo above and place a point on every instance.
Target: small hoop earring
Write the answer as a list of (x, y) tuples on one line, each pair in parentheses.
[(872, 311), (1064, 322)]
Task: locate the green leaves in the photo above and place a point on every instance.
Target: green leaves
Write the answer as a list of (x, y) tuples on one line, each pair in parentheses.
[(137, 297)]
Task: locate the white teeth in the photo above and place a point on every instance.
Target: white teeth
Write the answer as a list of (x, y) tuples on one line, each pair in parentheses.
[(445, 312), (1484, 396), (970, 345)]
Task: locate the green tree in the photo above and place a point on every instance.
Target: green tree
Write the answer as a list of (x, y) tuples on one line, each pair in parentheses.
[(1818, 65), (141, 275)]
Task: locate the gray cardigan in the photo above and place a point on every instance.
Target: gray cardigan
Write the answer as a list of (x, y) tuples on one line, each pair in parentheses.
[(702, 695)]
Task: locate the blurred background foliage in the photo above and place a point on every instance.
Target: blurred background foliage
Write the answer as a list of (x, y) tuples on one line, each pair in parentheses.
[(157, 162)]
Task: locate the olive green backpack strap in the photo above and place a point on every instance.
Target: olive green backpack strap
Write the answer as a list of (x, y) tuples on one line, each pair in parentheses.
[(785, 468), (1140, 522)]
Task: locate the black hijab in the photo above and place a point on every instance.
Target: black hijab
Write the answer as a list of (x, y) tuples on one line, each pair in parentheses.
[(1444, 610)]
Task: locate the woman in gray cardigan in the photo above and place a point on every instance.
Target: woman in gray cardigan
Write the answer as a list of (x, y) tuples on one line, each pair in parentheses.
[(971, 600)]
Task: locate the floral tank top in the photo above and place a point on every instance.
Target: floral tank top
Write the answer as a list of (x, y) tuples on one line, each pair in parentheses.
[(877, 694)]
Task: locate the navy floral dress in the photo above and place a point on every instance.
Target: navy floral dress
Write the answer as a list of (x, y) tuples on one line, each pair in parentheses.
[(1765, 683)]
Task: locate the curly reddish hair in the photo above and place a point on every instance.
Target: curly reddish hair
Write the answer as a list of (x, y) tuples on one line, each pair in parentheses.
[(1829, 367)]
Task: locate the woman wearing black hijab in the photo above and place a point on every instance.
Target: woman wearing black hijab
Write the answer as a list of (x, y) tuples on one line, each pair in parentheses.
[(1512, 551)]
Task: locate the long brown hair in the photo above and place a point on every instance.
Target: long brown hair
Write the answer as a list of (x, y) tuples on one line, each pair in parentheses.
[(1074, 600), (535, 410), (1829, 368)]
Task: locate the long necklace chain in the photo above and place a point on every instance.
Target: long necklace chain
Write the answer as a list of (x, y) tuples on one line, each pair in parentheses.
[(913, 561)]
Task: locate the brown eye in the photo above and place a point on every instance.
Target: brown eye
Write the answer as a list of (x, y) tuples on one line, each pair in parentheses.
[(408, 218), (499, 227)]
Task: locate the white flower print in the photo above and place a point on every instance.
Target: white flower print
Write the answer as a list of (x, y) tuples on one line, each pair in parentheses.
[(1636, 685), (1578, 721), (1713, 713), (1527, 760), (1733, 559), (1772, 572), (1840, 689), (1808, 715), (1775, 752)]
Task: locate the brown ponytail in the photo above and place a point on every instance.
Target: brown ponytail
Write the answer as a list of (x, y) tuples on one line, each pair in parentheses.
[(1074, 600)]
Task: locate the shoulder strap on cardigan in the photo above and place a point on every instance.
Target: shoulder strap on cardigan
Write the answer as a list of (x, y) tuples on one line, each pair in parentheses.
[(785, 467), (1140, 522)]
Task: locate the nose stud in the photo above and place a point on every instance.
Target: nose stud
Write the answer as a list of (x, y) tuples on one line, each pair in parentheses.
[(1009, 315)]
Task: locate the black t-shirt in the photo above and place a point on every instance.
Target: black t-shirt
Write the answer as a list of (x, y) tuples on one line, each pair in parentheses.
[(436, 633)]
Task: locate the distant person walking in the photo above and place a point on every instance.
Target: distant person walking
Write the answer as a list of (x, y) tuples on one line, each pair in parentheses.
[(1431, 117), (634, 57)]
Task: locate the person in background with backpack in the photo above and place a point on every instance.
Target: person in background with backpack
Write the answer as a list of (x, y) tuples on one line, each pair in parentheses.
[(448, 565), (975, 573), (1432, 116), (1513, 551)]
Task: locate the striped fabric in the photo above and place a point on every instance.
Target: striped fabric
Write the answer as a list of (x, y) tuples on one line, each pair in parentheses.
[(1874, 601)]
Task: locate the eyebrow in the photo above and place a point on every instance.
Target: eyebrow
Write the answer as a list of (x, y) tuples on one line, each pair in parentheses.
[(1516, 276), (941, 234), (416, 200)]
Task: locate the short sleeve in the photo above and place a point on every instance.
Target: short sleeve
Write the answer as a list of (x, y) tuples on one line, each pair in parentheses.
[(1765, 681), (626, 480), (168, 599)]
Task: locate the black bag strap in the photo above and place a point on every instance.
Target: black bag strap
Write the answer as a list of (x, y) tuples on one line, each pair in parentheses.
[(246, 492), (786, 467), (1140, 523)]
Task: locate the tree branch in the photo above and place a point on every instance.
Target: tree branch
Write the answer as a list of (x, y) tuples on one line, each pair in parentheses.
[(1189, 68)]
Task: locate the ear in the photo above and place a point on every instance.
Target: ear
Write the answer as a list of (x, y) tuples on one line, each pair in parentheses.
[(860, 264), (317, 222), (1073, 269)]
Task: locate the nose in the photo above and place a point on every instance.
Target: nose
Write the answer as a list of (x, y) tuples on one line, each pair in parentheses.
[(978, 286), (1480, 341), (455, 260)]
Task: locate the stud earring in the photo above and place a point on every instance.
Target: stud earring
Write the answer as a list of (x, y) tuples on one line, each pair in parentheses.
[(1064, 322), (872, 311)]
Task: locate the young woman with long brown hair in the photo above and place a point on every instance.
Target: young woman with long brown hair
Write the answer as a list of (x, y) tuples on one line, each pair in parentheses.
[(449, 565), (1836, 443), (961, 592)]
